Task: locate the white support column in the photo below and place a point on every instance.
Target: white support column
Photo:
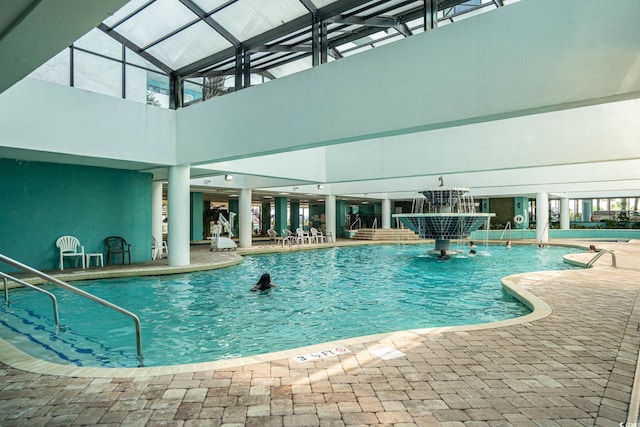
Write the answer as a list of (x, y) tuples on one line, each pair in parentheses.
[(565, 223), (542, 217), (178, 217), (156, 210), (587, 209), (386, 213), (245, 228), (330, 215)]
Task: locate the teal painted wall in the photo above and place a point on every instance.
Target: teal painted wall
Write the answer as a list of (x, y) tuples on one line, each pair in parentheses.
[(43, 201), (341, 217), (316, 213), (197, 212), (280, 214), (600, 234), (294, 215), (266, 218), (234, 206)]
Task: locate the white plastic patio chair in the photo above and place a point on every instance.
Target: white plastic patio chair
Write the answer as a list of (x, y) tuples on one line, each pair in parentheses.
[(317, 236), (288, 237), (302, 236), (273, 236), (158, 249), (70, 247)]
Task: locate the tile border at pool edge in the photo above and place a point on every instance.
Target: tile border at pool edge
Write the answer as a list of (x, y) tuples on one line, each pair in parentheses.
[(16, 358)]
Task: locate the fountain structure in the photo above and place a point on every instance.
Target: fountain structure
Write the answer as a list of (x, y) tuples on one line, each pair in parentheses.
[(444, 214)]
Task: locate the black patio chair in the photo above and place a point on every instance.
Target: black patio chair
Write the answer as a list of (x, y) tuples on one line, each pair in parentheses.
[(116, 245)]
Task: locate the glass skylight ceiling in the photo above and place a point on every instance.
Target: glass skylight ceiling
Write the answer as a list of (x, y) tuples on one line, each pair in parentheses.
[(235, 39)]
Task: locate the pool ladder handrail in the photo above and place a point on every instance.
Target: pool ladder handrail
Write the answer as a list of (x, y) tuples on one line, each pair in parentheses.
[(506, 227), (614, 263), (54, 300), (12, 262)]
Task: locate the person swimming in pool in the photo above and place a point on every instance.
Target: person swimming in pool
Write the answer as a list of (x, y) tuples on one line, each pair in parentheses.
[(263, 284), (443, 254)]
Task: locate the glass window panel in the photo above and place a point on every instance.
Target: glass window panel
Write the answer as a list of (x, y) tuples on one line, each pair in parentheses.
[(322, 3), (389, 40), (247, 18), (379, 35), (359, 50), (190, 45), (209, 5), (192, 92), (124, 11), (97, 74), (291, 67), (156, 21), (98, 42), (157, 89), (136, 84), (348, 45), (133, 58), (56, 70)]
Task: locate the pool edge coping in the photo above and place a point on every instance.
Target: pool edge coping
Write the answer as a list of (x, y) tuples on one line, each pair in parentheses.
[(16, 358)]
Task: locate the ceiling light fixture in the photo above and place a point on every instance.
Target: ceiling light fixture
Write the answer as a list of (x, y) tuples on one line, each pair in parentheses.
[(320, 186), (228, 177)]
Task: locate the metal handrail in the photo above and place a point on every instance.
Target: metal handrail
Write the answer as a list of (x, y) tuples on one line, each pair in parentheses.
[(599, 254), (54, 300), (506, 227), (72, 288), (353, 224), (375, 223)]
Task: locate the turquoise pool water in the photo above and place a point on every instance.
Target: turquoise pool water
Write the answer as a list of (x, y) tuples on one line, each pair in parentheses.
[(321, 295)]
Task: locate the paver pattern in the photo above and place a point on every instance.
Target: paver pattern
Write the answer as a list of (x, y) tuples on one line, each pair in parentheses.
[(573, 368)]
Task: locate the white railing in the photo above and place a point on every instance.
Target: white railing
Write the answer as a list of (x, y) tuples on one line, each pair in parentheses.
[(506, 227), (354, 223), (599, 254)]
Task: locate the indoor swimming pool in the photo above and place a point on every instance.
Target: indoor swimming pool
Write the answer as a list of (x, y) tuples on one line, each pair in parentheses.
[(321, 295)]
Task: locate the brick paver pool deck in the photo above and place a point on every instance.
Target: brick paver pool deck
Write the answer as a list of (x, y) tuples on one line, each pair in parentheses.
[(571, 363)]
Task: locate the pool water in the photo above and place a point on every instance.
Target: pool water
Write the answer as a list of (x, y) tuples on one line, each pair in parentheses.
[(321, 295)]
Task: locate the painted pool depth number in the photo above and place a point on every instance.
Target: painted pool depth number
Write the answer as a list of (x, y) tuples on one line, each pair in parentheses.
[(322, 354)]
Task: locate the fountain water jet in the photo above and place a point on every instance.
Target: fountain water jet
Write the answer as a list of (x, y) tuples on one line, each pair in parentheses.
[(444, 214)]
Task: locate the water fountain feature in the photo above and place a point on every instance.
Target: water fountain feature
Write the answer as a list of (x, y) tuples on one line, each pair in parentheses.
[(444, 214)]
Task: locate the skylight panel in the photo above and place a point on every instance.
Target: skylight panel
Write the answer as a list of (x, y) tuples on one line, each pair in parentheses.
[(388, 40), (98, 42), (209, 5), (155, 22), (124, 12), (190, 45), (358, 50), (291, 67), (322, 3), (248, 18), (133, 58)]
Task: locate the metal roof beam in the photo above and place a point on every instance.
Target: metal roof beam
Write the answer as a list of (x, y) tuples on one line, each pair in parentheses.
[(211, 22), (135, 48), (297, 24), (280, 48), (367, 22)]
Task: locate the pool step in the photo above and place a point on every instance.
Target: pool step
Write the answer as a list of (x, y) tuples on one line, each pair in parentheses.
[(385, 234), (36, 335)]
